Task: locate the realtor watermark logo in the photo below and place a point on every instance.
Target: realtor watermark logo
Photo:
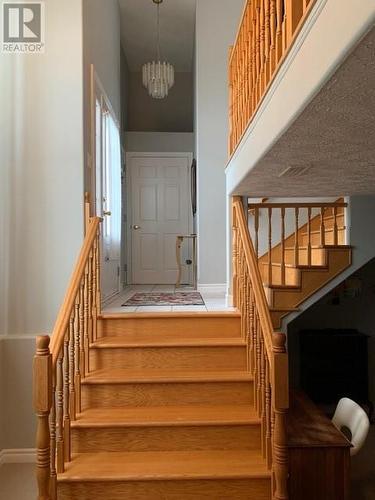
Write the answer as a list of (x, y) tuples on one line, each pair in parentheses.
[(23, 27)]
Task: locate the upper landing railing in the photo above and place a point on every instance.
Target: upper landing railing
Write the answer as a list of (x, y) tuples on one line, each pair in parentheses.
[(267, 32)]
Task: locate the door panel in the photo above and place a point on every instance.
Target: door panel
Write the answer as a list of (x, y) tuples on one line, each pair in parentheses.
[(160, 211)]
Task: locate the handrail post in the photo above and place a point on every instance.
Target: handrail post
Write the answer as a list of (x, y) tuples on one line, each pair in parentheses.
[(42, 399), (280, 406)]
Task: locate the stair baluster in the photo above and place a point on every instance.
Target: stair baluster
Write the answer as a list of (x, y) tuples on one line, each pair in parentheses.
[(82, 328), (273, 27), (296, 243), (270, 246), (335, 227), (267, 42), (322, 228), (256, 224), (67, 447), (77, 360), (309, 236), (60, 414), (283, 245), (72, 391)]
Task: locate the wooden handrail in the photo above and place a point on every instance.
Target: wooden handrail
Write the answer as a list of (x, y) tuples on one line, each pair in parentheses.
[(251, 206), (267, 356), (252, 262), (62, 321), (266, 34), (60, 363)]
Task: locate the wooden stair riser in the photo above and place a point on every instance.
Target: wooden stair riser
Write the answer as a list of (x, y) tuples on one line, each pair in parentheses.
[(166, 394), (329, 239), (189, 358), (189, 327), (311, 280), (166, 438), (329, 221), (210, 489), (318, 256), (291, 275)]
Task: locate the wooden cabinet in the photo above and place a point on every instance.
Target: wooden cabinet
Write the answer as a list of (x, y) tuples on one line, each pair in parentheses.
[(319, 455)]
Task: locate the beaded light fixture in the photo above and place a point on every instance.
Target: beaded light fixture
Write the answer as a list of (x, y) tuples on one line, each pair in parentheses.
[(158, 76)]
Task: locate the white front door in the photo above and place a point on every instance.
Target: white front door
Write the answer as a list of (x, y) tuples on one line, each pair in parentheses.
[(161, 210)]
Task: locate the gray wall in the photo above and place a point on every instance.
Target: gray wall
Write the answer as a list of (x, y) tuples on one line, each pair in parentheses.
[(102, 48), (41, 201), (174, 114), (216, 28), (155, 142)]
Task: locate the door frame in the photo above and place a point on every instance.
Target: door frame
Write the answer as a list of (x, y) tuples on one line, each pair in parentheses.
[(97, 92), (129, 156)]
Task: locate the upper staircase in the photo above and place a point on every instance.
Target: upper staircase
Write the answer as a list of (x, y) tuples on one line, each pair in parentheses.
[(305, 260)]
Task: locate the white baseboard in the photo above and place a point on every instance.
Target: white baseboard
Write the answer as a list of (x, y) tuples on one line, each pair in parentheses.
[(18, 456), (216, 288)]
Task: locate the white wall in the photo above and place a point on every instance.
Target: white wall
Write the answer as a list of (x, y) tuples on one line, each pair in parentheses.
[(41, 198), (217, 22), (102, 46), (159, 142)]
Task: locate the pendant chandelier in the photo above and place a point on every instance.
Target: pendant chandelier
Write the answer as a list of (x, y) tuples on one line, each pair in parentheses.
[(158, 76)]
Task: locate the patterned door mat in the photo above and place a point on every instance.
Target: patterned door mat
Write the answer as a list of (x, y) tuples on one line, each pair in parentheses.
[(165, 299)]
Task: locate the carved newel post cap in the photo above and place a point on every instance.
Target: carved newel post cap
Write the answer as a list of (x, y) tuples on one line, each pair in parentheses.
[(42, 345), (279, 341)]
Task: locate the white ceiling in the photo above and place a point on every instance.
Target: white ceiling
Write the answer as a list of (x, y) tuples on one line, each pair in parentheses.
[(177, 27)]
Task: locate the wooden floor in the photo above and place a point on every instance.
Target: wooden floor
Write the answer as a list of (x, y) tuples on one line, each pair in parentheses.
[(167, 413)]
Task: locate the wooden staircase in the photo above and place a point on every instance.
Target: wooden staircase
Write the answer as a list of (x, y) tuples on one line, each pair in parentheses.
[(156, 406), (167, 413), (302, 263)]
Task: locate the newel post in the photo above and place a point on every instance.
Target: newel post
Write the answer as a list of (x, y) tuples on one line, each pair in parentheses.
[(42, 398), (280, 407)]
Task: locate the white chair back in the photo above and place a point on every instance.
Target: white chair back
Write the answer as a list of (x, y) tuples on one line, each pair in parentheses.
[(350, 415)]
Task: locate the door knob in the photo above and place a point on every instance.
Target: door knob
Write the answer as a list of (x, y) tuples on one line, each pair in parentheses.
[(136, 227), (106, 213)]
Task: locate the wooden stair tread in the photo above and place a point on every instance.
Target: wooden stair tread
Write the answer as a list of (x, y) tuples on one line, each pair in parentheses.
[(167, 416), (174, 314), (123, 376), (165, 465), (149, 340)]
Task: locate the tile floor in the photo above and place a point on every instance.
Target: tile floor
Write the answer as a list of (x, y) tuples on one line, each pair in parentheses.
[(213, 301)]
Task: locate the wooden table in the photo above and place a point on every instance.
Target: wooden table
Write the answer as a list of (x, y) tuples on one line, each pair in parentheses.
[(319, 455)]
